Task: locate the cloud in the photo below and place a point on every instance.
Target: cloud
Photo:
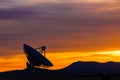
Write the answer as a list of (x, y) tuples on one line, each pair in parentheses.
[(79, 12), (62, 26), (20, 3)]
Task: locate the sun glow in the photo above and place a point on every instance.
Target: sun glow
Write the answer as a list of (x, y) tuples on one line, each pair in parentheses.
[(60, 59), (63, 59), (116, 53)]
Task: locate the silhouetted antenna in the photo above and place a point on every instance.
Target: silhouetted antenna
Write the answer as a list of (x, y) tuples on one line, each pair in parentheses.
[(35, 59), (42, 50)]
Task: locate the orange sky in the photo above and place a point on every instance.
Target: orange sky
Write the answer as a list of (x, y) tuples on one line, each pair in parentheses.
[(60, 59), (72, 30)]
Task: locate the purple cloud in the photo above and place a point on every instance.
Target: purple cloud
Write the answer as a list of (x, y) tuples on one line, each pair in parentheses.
[(80, 25)]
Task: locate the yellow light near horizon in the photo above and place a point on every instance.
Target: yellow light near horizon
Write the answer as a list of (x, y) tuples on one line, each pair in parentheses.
[(60, 59), (116, 52), (66, 58), (15, 62)]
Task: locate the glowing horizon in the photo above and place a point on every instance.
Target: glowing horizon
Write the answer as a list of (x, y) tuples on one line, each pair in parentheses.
[(86, 30), (18, 62)]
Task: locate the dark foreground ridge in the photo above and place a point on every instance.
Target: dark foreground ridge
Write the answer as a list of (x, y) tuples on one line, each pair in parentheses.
[(75, 71)]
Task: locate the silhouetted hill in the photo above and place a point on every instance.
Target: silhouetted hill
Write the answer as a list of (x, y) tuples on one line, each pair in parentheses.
[(75, 69), (12, 75), (93, 67), (26, 74)]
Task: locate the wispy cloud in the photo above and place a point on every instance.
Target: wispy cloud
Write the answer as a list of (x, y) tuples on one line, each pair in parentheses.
[(62, 26)]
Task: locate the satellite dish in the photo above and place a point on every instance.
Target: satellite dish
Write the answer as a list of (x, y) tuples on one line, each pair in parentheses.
[(35, 59), (42, 50)]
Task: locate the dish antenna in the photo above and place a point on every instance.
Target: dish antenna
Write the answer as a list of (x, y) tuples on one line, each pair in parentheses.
[(42, 50), (35, 58)]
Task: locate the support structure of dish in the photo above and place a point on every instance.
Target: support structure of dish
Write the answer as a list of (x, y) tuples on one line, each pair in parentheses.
[(35, 59)]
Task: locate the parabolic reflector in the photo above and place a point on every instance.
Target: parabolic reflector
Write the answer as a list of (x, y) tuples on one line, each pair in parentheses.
[(35, 58)]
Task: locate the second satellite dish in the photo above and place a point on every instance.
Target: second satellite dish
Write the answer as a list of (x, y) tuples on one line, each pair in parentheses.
[(35, 59)]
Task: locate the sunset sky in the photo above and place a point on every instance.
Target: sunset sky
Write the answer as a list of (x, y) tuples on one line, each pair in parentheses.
[(72, 30)]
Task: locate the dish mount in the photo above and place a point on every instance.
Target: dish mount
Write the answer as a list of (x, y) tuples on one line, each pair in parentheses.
[(35, 58)]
